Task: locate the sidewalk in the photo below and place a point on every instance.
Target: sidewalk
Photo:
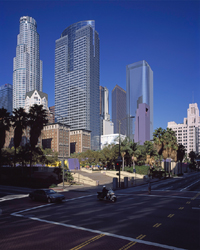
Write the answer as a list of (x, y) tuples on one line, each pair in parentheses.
[(88, 188)]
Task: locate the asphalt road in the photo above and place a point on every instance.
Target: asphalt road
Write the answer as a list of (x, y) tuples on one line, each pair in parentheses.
[(169, 218)]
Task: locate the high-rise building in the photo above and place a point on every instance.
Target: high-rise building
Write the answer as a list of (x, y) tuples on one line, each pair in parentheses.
[(139, 90), (6, 95), (27, 66), (77, 79), (119, 109), (106, 126), (188, 132)]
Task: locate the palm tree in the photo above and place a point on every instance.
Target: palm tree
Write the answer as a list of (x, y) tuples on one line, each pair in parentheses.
[(4, 126), (180, 154), (158, 141), (37, 119), (19, 120)]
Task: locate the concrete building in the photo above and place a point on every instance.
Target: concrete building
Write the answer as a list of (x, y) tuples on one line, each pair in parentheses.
[(188, 132), (27, 66), (106, 126), (80, 141), (36, 97), (111, 139), (57, 137), (139, 89), (6, 95), (119, 109), (77, 79)]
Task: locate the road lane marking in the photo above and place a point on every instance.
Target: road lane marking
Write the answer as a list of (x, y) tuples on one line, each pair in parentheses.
[(141, 236), (15, 197), (87, 242), (170, 215), (105, 233), (189, 186), (181, 208), (157, 225), (196, 208), (188, 202), (149, 243), (127, 246)]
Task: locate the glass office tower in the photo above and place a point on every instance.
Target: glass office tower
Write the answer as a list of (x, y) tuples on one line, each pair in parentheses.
[(27, 67), (139, 89), (77, 79), (119, 109), (6, 94)]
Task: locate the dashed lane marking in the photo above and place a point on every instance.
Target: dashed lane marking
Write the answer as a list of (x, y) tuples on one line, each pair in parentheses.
[(170, 215), (130, 244), (181, 208), (87, 242), (157, 225)]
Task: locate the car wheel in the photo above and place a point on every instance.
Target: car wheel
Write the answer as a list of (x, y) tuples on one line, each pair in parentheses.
[(49, 200)]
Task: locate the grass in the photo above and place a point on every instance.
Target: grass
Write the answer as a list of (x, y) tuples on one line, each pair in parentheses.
[(139, 169)]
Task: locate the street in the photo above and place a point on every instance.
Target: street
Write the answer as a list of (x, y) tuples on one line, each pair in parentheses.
[(169, 218)]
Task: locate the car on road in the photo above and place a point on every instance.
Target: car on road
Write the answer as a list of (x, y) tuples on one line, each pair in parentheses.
[(48, 195)]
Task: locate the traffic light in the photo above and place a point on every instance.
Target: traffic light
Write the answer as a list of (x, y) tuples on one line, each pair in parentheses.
[(117, 166)]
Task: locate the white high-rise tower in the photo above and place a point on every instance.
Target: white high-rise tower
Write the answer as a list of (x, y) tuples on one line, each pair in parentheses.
[(27, 66)]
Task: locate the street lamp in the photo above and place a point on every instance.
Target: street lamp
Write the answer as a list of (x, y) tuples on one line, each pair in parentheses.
[(119, 159), (63, 147)]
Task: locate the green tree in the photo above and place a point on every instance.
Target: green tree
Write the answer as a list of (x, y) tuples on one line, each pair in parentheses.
[(19, 123), (158, 141), (37, 120), (4, 126)]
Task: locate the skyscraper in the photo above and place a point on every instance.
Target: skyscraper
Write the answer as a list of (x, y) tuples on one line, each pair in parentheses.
[(77, 79), (6, 92), (139, 90), (106, 125), (27, 66), (119, 109)]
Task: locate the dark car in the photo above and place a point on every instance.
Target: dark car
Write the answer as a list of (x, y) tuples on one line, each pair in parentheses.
[(48, 195)]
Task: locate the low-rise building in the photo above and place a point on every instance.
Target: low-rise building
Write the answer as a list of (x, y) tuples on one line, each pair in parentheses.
[(80, 140), (57, 137)]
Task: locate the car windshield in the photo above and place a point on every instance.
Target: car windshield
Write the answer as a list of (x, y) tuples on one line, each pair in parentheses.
[(50, 191)]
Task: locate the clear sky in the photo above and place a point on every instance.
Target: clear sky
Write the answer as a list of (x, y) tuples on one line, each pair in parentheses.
[(164, 33)]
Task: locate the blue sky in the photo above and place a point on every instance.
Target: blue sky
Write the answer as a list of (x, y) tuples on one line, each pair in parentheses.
[(164, 33)]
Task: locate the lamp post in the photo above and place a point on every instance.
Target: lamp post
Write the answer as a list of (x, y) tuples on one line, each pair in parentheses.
[(63, 149), (119, 159)]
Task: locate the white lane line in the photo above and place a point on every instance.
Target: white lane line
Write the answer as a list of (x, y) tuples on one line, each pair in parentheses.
[(105, 233), (12, 198), (45, 205), (196, 208), (167, 196), (189, 186)]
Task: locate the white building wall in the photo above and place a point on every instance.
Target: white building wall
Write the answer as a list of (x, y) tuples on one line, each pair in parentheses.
[(188, 132), (111, 139)]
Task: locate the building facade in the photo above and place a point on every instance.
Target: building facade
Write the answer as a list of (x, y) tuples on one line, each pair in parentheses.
[(119, 109), (139, 89), (27, 66), (188, 132), (6, 95), (80, 141), (36, 97), (106, 125), (57, 137), (77, 79)]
